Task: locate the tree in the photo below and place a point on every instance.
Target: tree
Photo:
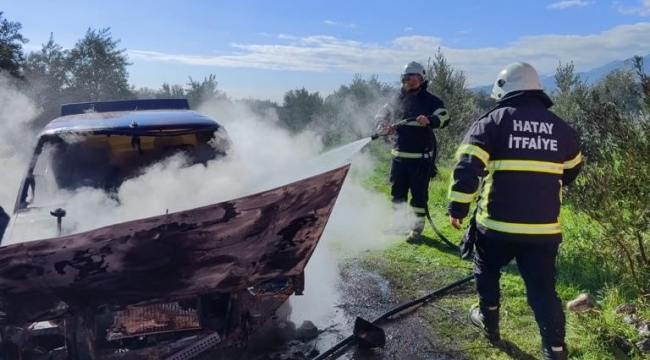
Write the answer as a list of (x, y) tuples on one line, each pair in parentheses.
[(571, 99), (48, 66), (171, 91), (483, 101), (145, 93), (620, 87), (449, 84), (615, 187), (196, 93), (47, 74), (200, 92), (362, 92), (348, 113), (299, 108), (98, 68), (644, 80), (11, 47), (264, 109)]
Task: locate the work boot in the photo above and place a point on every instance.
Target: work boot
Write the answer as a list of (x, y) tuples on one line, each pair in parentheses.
[(487, 321), (555, 352), (414, 235)]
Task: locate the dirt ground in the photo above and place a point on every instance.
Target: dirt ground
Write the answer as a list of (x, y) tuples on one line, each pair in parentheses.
[(365, 294)]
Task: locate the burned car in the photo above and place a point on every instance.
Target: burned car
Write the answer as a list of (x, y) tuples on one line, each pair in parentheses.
[(100, 145), (172, 286)]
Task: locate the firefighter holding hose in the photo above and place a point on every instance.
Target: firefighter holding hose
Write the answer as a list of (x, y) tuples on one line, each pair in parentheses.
[(415, 147)]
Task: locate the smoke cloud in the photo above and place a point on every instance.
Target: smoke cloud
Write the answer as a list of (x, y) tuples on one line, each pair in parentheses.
[(16, 138), (263, 156)]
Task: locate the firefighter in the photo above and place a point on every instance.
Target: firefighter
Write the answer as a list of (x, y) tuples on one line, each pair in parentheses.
[(414, 149), (521, 154)]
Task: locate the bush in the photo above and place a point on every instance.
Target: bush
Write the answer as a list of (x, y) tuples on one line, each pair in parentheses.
[(614, 188)]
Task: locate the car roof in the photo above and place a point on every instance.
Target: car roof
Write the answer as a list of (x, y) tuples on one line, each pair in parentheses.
[(127, 116)]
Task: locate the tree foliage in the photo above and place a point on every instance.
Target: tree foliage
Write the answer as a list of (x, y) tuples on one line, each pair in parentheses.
[(571, 98), (264, 110), (171, 91), (97, 68), (348, 113), (206, 90), (450, 84), (47, 78), (615, 184), (644, 80), (47, 68), (11, 47), (93, 70), (300, 108), (621, 88)]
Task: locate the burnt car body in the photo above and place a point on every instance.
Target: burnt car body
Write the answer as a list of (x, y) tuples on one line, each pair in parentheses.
[(165, 287)]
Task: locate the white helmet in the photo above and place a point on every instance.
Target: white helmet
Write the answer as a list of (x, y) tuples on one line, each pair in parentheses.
[(517, 76), (413, 68)]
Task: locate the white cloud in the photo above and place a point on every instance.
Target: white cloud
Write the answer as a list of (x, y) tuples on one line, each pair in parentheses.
[(407, 29), (643, 9), (568, 3), (334, 23), (327, 53), (286, 36)]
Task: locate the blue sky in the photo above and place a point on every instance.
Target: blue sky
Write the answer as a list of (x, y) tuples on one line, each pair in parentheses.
[(262, 49)]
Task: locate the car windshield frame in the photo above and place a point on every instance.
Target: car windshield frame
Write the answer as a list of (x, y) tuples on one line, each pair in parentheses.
[(58, 137)]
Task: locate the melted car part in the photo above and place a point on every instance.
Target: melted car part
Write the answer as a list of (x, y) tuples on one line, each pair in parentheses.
[(233, 264), (197, 348), (152, 319)]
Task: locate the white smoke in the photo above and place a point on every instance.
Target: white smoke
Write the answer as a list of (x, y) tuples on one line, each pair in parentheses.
[(264, 156), (16, 139)]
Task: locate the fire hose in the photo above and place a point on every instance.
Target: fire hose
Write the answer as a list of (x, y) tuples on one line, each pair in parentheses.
[(396, 125), (439, 233), (362, 336)]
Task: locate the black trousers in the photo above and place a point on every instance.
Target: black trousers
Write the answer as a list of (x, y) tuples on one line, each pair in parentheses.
[(536, 263), (411, 175)]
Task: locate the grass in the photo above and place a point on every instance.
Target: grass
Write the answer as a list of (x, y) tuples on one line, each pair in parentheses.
[(415, 270)]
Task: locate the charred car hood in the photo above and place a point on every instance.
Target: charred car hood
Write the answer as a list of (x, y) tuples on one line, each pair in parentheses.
[(223, 247)]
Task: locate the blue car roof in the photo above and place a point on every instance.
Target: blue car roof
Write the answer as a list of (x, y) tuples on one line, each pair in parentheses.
[(145, 120), (124, 105), (128, 116)]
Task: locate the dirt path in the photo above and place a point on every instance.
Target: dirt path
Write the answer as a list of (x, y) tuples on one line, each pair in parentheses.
[(408, 335), (368, 295)]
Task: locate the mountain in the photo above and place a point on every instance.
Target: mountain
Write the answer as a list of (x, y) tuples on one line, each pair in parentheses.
[(590, 77)]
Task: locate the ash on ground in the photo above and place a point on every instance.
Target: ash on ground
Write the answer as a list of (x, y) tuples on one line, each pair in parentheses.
[(367, 295)]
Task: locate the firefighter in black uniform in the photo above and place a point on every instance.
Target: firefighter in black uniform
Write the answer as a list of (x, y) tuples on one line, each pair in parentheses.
[(414, 150), (522, 153)]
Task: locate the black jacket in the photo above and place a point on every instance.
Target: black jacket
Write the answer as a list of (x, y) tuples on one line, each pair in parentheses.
[(412, 137), (523, 153)]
